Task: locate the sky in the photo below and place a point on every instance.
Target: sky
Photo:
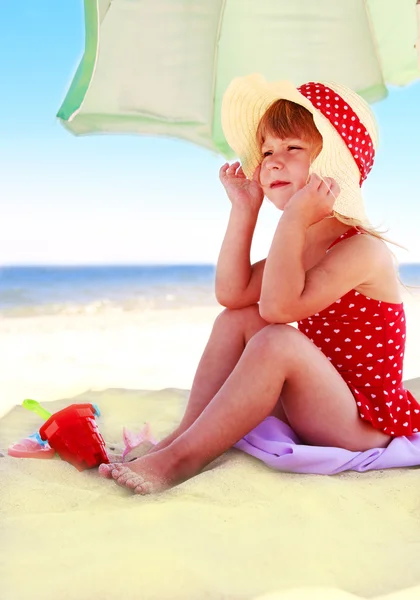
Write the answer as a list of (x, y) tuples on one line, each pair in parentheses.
[(113, 199)]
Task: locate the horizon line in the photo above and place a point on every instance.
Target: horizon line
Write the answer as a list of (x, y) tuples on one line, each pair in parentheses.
[(136, 264)]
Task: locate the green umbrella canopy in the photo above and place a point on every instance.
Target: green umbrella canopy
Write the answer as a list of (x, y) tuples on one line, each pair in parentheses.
[(160, 67)]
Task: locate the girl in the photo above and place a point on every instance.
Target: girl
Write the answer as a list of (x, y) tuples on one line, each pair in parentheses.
[(337, 379)]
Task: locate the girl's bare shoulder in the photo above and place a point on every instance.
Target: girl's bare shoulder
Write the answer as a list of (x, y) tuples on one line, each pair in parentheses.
[(384, 283)]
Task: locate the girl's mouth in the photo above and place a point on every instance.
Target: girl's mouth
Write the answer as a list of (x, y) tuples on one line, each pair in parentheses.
[(279, 184)]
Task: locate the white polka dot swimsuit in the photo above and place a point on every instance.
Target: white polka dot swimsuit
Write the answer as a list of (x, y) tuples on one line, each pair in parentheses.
[(365, 341)]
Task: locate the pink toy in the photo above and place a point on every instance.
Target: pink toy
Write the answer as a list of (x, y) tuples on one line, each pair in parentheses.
[(31, 447), (137, 444)]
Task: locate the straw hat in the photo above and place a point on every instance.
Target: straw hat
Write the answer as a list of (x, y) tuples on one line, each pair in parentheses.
[(342, 117)]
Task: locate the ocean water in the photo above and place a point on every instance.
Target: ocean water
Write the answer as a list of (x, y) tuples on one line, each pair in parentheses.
[(52, 290), (49, 290)]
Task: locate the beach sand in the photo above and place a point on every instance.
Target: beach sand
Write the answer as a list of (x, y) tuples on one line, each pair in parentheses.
[(239, 530)]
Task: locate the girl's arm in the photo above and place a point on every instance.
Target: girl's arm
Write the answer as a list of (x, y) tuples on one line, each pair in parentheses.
[(284, 274), (238, 283), (288, 293)]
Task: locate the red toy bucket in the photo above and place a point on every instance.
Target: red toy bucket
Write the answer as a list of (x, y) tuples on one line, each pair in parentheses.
[(74, 435)]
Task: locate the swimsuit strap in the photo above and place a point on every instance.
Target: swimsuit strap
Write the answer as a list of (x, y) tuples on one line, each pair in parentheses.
[(348, 234)]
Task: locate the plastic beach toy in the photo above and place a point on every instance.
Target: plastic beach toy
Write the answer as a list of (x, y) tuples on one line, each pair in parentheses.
[(74, 435), (35, 407), (71, 432), (137, 444), (32, 446)]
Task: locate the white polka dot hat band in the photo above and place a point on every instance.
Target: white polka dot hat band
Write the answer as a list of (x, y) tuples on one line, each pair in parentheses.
[(342, 117), (345, 121)]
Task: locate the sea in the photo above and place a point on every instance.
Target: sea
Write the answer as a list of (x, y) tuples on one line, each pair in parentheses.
[(27, 291)]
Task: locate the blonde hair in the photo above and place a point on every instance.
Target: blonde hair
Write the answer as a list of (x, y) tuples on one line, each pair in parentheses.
[(363, 227)]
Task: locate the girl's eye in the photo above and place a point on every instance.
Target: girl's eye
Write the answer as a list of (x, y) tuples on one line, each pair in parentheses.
[(289, 148)]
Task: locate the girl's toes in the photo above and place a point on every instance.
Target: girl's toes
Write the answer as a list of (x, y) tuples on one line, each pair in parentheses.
[(143, 488), (133, 482), (104, 470), (116, 469), (118, 466), (122, 476)]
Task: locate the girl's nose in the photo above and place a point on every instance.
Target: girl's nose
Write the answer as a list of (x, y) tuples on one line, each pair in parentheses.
[(274, 162)]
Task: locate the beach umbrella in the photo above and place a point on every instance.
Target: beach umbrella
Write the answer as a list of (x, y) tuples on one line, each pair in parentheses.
[(160, 67)]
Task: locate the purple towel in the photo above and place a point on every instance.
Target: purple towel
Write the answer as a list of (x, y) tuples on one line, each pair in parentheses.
[(276, 444)]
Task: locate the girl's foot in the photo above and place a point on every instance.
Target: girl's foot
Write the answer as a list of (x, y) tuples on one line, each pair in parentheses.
[(143, 449), (150, 474), (165, 442)]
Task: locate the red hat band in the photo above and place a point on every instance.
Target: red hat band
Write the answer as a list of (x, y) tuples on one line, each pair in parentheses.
[(343, 118)]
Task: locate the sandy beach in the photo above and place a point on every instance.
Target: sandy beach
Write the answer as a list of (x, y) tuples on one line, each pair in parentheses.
[(52, 357), (238, 531), (58, 356)]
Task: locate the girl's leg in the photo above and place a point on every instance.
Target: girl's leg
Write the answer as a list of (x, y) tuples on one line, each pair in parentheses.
[(279, 360), (231, 331)]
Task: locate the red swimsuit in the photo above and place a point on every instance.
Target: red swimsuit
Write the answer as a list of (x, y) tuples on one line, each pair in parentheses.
[(365, 340)]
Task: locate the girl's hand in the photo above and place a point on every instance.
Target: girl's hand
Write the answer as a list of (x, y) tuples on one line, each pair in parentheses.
[(242, 192), (315, 200)]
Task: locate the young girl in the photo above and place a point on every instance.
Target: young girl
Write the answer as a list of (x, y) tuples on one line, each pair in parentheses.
[(337, 379)]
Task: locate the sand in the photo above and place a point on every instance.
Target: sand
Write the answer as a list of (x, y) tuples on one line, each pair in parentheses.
[(236, 531), (50, 357)]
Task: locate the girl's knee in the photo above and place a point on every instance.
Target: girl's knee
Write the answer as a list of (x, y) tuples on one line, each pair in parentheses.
[(239, 315), (247, 321), (278, 331), (273, 338)]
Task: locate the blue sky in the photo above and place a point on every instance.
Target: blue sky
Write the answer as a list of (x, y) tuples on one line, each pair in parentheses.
[(136, 199)]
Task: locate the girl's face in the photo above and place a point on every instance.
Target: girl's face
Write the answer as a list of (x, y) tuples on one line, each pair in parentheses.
[(286, 161)]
